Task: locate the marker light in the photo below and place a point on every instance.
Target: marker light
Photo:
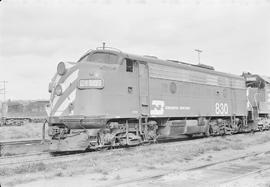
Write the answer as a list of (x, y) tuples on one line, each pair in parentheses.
[(50, 87), (61, 68), (58, 90)]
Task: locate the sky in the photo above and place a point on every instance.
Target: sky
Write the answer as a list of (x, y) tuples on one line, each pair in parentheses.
[(35, 36)]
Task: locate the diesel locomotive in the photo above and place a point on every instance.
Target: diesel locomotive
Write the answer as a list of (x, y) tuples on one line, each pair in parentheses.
[(112, 98)]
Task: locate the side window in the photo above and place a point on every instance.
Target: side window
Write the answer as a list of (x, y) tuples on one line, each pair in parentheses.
[(129, 65)]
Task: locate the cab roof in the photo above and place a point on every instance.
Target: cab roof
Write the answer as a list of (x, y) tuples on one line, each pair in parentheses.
[(172, 63)]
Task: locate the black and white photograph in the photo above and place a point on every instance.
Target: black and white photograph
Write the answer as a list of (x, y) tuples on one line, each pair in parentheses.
[(135, 93)]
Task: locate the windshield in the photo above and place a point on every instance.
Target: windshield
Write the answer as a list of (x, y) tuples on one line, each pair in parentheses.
[(107, 58)]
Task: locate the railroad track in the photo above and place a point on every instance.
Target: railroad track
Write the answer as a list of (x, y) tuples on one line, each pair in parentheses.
[(20, 142), (8, 148), (200, 167), (258, 171), (22, 155), (23, 158), (45, 155), (4, 144)]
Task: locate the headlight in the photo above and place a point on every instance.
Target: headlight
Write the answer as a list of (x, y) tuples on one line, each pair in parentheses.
[(61, 68), (91, 83), (58, 90)]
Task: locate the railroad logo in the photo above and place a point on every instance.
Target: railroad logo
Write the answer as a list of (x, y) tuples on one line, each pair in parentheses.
[(158, 107)]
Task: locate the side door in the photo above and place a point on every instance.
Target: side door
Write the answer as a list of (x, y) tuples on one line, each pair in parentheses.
[(143, 88)]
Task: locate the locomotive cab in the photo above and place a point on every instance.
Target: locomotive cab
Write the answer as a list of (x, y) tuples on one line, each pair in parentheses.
[(107, 80)]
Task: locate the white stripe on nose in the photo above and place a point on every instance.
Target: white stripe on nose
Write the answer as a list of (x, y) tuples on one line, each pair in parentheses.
[(70, 98), (69, 80)]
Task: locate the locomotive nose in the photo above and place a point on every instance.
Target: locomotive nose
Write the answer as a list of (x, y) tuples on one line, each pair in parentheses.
[(91, 85), (90, 77)]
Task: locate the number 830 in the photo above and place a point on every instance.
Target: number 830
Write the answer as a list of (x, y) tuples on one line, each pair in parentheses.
[(222, 108)]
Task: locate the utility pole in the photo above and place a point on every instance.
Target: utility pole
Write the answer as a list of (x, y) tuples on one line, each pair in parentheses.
[(199, 51), (4, 89), (4, 106)]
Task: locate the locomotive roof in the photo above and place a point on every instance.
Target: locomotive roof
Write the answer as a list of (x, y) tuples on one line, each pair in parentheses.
[(176, 64), (265, 78), (183, 65)]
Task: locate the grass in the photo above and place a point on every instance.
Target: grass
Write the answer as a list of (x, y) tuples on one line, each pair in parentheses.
[(217, 148), (27, 131), (151, 167), (30, 168), (209, 158), (105, 172), (25, 168), (239, 146), (59, 173), (264, 139), (104, 178), (117, 177), (101, 171), (18, 181), (8, 154)]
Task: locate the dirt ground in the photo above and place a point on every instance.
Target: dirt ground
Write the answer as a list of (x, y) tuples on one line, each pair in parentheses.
[(148, 165)]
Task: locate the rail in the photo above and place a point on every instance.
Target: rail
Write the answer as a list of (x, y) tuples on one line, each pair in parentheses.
[(162, 174), (9, 143)]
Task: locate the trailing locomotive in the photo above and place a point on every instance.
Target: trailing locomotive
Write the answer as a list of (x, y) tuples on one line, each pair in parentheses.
[(258, 95), (111, 98)]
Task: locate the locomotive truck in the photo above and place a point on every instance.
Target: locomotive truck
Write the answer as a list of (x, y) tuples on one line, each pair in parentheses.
[(112, 98)]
